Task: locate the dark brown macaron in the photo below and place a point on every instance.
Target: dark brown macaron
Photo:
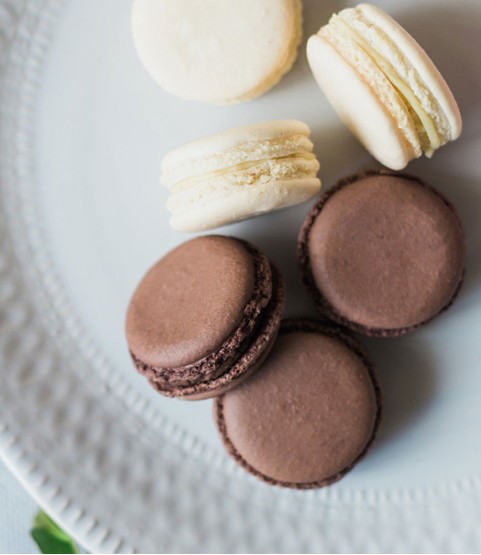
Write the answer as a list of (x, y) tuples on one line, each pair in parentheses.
[(309, 415), (204, 317), (382, 253)]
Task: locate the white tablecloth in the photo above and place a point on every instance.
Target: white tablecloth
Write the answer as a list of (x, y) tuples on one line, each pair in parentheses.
[(17, 511)]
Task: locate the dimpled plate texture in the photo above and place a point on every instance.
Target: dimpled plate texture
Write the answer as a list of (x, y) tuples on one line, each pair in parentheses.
[(82, 132)]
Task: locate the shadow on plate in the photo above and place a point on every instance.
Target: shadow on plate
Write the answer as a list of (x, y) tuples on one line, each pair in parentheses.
[(339, 152), (406, 371), (315, 14), (276, 234)]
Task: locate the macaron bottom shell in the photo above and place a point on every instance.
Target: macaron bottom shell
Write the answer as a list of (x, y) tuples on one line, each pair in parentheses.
[(245, 203)]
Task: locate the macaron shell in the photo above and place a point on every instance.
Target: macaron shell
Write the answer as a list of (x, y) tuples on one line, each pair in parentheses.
[(234, 138), (249, 359), (247, 202), (208, 50), (204, 284), (357, 105), (308, 415), (421, 62), (382, 253)]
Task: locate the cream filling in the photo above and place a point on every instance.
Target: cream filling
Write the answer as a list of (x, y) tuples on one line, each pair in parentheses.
[(250, 151), (429, 132), (379, 84), (388, 48), (259, 167), (196, 192)]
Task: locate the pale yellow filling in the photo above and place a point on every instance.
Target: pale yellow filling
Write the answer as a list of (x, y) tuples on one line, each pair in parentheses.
[(244, 166), (242, 178), (427, 122), (250, 151)]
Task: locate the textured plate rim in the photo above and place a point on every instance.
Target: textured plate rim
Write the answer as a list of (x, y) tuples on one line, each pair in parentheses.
[(43, 15)]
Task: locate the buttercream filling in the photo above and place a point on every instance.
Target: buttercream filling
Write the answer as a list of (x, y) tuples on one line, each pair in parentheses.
[(421, 116), (249, 151), (388, 48), (379, 84), (430, 132), (194, 192)]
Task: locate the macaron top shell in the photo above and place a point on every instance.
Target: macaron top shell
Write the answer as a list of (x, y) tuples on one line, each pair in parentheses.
[(308, 415), (216, 51), (191, 301), (385, 253), (227, 142)]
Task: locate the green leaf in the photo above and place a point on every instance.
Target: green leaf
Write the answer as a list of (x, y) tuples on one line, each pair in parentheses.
[(49, 537)]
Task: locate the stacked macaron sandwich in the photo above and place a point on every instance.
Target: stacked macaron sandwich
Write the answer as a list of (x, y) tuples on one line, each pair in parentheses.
[(297, 403)]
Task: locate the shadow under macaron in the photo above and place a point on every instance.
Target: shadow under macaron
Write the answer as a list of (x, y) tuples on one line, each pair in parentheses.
[(406, 372), (317, 14), (339, 152), (277, 234)]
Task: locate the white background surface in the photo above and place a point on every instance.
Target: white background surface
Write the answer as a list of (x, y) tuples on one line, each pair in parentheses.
[(80, 161)]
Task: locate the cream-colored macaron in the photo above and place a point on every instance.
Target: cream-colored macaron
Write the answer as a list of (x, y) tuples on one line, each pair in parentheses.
[(239, 174), (217, 51), (383, 85)]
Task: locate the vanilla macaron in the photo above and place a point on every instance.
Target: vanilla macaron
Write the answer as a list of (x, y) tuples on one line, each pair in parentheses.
[(217, 51), (383, 85), (239, 174)]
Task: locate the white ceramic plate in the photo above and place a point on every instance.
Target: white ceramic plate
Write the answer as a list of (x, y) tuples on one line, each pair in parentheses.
[(83, 130)]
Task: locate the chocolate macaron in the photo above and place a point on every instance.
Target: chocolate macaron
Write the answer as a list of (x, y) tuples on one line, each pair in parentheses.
[(382, 253), (309, 415), (204, 317)]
